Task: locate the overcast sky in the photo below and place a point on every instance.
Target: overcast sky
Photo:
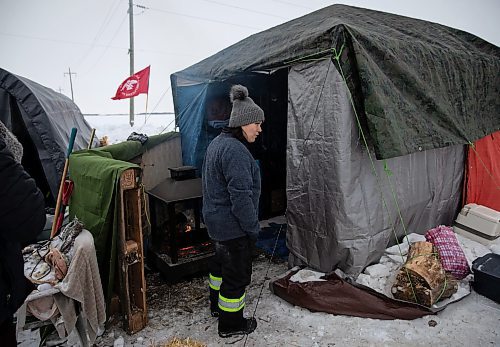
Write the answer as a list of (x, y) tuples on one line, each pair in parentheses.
[(42, 39)]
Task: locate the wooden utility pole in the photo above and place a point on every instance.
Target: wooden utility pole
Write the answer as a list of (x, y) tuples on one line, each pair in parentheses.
[(131, 53), (70, 81)]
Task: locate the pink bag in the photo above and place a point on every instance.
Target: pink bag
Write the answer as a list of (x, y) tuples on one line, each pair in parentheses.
[(450, 253)]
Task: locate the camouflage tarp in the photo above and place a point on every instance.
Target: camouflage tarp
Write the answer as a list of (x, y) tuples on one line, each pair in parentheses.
[(418, 85)]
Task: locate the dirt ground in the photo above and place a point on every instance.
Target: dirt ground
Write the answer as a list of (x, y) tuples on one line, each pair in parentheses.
[(181, 310)]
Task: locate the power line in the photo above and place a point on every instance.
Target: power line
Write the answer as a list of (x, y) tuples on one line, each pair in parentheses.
[(107, 19), (244, 9), (112, 11), (146, 117), (109, 43), (97, 45), (196, 17), (53, 40), (296, 5)]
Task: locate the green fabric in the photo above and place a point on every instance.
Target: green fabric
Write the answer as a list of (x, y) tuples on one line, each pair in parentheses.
[(96, 176), (128, 150)]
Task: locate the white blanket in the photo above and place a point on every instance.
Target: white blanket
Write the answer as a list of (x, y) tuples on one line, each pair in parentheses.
[(82, 284)]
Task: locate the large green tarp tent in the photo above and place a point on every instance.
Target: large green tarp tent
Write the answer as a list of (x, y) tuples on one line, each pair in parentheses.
[(415, 91)]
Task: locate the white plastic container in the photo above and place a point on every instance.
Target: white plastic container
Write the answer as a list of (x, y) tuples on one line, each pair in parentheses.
[(478, 223)]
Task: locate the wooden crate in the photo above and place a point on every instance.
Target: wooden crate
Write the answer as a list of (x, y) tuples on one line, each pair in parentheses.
[(131, 252)]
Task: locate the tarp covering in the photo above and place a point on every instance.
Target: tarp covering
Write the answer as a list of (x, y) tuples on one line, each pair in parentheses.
[(483, 172), (96, 174), (95, 203), (127, 150), (342, 210), (419, 85), (418, 91), (337, 296), (190, 117), (42, 119)]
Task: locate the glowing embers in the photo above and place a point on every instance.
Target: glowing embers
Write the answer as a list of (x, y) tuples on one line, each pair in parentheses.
[(199, 249)]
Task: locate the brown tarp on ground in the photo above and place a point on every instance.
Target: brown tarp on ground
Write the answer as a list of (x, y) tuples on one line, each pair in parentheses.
[(338, 296)]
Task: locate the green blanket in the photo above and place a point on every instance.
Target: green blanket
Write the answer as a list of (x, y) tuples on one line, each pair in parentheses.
[(96, 176)]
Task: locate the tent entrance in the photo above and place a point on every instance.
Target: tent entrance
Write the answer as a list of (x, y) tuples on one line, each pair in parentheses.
[(269, 91)]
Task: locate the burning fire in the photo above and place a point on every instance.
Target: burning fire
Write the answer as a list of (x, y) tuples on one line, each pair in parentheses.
[(191, 250)]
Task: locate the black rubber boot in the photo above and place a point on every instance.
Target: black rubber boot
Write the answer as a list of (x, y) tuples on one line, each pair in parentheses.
[(245, 327)]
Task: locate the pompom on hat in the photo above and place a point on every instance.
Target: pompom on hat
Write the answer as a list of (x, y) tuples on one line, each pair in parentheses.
[(244, 111)]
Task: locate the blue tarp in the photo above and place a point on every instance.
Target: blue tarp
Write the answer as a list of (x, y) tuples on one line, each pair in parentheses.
[(274, 234), (190, 119)]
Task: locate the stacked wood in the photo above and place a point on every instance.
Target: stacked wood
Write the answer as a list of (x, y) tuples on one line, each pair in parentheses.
[(422, 278)]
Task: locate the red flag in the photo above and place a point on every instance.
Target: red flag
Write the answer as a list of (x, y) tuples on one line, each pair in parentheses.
[(134, 85)]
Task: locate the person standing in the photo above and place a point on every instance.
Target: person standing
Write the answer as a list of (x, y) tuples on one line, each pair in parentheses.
[(22, 218), (231, 190)]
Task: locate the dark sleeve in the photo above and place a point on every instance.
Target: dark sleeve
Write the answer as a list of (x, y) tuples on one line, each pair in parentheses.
[(22, 206)]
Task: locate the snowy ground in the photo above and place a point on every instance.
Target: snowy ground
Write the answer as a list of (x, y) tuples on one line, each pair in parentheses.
[(474, 321), (181, 310)]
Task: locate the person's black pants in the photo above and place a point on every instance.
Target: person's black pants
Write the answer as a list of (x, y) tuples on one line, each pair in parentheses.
[(8, 333), (233, 265)]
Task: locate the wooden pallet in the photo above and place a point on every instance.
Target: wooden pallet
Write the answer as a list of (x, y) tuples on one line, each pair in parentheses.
[(131, 253)]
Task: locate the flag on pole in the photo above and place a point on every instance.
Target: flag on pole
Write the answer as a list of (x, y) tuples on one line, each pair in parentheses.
[(134, 85)]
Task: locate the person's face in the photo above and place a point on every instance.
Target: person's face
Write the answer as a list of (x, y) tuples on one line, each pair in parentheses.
[(251, 131)]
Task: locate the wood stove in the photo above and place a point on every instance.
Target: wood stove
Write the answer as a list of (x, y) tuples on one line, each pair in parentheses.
[(180, 245)]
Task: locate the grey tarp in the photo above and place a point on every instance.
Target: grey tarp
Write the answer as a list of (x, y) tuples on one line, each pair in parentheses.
[(41, 118), (337, 214), (420, 89), (420, 85)]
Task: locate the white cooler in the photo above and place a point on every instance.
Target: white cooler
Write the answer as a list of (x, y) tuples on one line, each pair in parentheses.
[(478, 223)]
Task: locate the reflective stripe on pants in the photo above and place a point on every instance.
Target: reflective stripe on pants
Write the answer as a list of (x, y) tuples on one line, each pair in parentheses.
[(231, 305), (214, 282)]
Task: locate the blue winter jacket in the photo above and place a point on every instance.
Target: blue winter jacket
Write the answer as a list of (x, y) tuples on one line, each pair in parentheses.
[(231, 190)]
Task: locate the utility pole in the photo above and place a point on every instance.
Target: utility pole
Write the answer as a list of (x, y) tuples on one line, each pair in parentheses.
[(131, 53), (60, 90), (70, 81)]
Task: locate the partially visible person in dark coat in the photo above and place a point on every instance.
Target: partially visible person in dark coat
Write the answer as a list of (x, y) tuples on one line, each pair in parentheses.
[(231, 191), (22, 218)]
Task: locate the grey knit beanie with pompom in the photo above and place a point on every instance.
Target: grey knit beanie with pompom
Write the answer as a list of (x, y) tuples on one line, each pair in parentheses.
[(244, 111)]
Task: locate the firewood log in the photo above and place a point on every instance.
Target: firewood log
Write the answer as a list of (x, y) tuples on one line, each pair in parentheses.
[(422, 278)]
